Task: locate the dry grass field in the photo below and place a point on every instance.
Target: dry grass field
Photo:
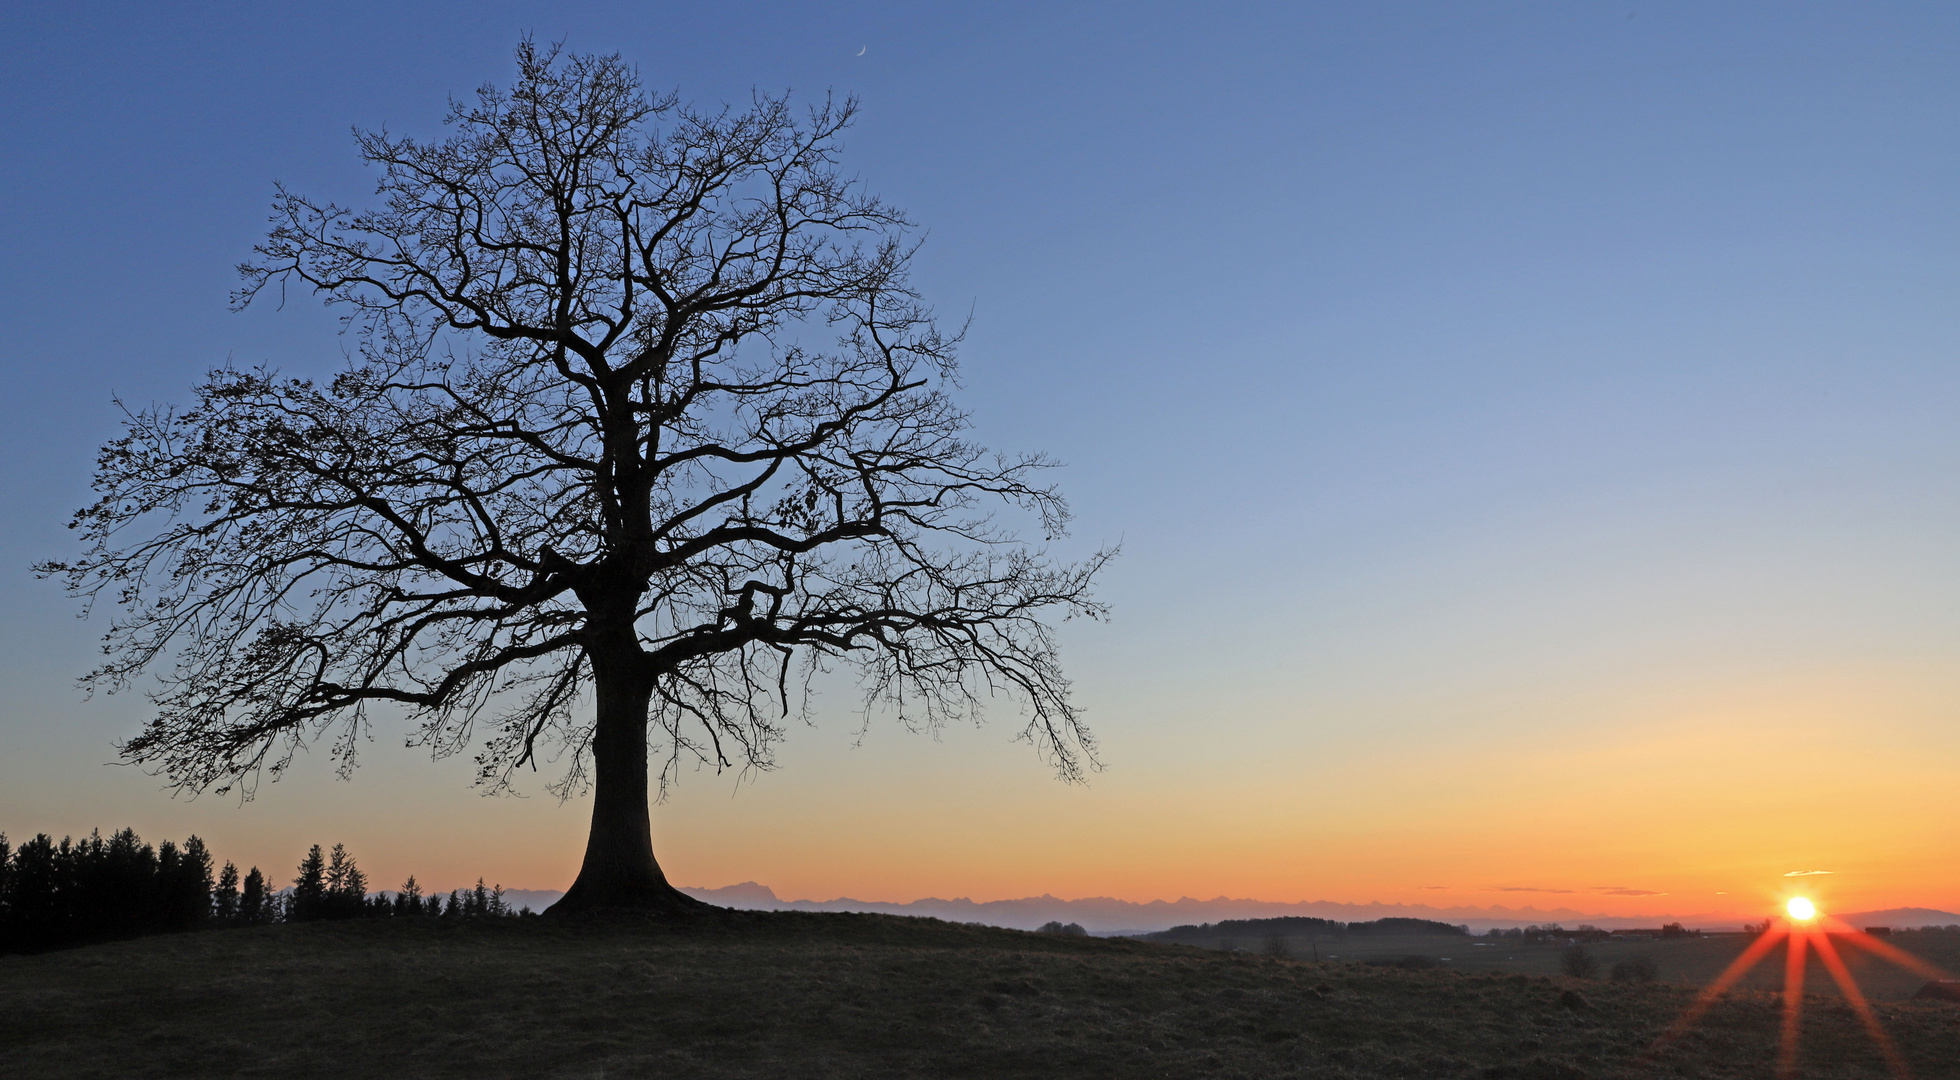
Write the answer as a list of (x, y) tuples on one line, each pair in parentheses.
[(775, 995), (1694, 961)]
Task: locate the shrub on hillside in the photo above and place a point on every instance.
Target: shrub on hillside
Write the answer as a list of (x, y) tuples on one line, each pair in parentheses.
[(1056, 927), (1577, 962), (1412, 962), (1635, 969)]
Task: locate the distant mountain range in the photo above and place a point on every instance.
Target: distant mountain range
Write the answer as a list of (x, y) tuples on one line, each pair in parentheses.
[(535, 899), (1104, 915)]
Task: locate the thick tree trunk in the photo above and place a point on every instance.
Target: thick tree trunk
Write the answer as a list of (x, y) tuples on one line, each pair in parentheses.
[(620, 872)]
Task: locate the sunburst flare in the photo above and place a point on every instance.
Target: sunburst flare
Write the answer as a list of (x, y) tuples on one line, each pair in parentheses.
[(1807, 929)]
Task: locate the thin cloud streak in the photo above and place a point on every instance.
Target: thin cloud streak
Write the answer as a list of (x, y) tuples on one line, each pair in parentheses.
[(1528, 888)]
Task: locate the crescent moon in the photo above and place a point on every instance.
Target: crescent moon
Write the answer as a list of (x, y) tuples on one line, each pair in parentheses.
[(861, 49)]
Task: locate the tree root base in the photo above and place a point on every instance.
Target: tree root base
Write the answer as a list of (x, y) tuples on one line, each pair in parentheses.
[(662, 901)]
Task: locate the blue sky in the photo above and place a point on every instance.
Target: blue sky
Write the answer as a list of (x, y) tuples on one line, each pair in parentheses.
[(1462, 380)]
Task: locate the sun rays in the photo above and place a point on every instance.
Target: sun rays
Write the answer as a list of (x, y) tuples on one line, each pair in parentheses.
[(1806, 930)]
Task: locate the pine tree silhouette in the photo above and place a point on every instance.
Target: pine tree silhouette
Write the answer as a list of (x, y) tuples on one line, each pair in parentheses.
[(346, 887), (36, 911), (254, 903), (154, 912), (224, 899), (309, 894), (354, 887), (68, 893), (53, 895), (183, 888), (111, 886)]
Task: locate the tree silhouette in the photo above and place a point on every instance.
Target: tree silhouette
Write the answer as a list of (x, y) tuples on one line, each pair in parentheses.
[(346, 886), (308, 900), (73, 892), (184, 884), (224, 899), (36, 883), (111, 885), (644, 407), (254, 900), (409, 900)]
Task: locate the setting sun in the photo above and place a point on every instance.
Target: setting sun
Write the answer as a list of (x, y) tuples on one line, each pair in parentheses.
[(1801, 909)]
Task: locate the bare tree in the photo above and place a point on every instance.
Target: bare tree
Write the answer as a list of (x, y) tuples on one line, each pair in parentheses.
[(645, 412)]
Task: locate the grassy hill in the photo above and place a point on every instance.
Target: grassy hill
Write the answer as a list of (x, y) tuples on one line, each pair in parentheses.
[(792, 994)]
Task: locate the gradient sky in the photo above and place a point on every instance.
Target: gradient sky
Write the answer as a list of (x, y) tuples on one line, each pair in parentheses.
[(1530, 428)]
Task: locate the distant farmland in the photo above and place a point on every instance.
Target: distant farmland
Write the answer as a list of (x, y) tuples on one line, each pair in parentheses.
[(1690, 960)]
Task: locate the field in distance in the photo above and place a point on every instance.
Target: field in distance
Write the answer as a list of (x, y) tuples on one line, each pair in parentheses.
[(1691, 960), (749, 994)]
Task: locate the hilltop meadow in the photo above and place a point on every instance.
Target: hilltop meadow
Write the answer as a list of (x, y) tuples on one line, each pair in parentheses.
[(749, 994)]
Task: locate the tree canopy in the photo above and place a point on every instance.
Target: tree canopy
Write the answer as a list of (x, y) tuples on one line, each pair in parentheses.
[(645, 413)]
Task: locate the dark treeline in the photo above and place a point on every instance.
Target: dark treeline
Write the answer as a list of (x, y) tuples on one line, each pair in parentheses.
[(1550, 932), (1292, 926), (1583, 933), (54, 895)]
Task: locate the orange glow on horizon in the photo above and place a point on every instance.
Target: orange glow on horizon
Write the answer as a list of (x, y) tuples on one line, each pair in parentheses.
[(1461, 820)]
